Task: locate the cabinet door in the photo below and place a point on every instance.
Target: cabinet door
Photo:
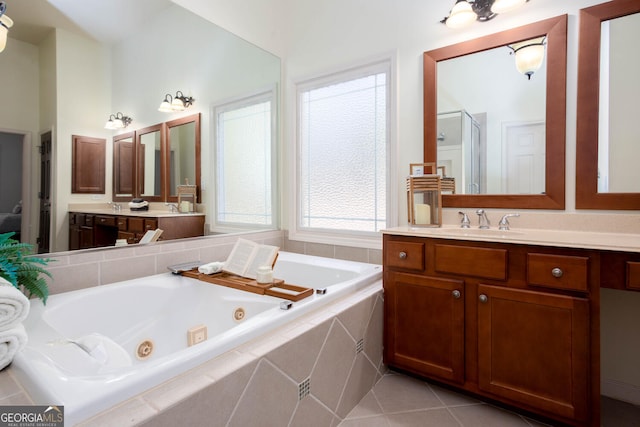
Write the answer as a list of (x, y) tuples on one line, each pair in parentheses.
[(533, 348), (86, 237), (88, 165), (424, 325)]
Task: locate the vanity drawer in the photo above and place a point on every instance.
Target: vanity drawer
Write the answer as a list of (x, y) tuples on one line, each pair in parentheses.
[(487, 263), (131, 237), (407, 255), (633, 275), (109, 221), (558, 271), (122, 223), (150, 224), (136, 224)]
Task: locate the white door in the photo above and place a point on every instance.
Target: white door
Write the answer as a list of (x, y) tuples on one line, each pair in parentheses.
[(524, 153)]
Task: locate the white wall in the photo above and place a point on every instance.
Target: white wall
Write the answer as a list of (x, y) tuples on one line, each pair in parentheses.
[(82, 76), (19, 64)]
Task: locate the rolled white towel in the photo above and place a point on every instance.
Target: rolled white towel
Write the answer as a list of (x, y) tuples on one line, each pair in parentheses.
[(14, 305), (212, 267), (11, 341)]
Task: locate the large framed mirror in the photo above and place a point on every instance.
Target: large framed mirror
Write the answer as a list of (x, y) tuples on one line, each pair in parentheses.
[(546, 126), (183, 145), (607, 173)]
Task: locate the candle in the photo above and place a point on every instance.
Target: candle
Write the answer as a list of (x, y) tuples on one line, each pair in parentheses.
[(184, 207), (422, 213)]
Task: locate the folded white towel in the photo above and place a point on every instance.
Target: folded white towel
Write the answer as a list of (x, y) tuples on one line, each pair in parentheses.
[(14, 305), (212, 267), (11, 341)]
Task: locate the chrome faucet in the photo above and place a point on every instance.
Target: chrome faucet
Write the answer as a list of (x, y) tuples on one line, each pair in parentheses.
[(172, 207), (484, 221), (465, 223), (504, 222), (115, 206)]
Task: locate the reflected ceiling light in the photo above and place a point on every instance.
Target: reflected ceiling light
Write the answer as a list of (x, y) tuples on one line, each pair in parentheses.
[(529, 55), (466, 12), (118, 121), (5, 24), (179, 102)]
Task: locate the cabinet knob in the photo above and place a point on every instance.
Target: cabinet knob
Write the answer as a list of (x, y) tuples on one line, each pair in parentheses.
[(402, 255), (483, 298), (556, 272), (456, 294)]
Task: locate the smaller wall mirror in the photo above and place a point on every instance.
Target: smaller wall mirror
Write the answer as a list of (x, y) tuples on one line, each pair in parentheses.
[(607, 174), (183, 142), (123, 170), (150, 172)]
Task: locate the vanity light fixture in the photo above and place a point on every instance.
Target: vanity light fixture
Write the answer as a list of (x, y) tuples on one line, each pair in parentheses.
[(180, 102), (5, 24), (466, 12), (118, 121), (529, 55)]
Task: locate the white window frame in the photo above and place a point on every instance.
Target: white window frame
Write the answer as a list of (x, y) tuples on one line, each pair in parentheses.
[(233, 104), (370, 240)]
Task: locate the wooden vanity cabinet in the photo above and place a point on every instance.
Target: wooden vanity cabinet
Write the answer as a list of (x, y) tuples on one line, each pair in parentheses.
[(91, 231), (514, 323)]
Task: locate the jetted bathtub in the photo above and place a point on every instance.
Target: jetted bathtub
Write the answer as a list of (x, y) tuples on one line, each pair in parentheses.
[(93, 348)]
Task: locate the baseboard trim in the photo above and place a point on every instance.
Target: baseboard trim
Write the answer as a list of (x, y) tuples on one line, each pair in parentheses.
[(618, 390)]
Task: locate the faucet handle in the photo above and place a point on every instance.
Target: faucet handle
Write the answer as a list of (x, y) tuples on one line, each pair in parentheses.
[(504, 221), (466, 222)]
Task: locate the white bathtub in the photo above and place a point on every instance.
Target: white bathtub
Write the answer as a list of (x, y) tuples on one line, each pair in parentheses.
[(114, 324)]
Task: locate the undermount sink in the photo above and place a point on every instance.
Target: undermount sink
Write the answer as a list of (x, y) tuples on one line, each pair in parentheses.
[(476, 232)]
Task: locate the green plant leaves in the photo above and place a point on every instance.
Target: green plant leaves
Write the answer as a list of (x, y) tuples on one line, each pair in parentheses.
[(21, 268)]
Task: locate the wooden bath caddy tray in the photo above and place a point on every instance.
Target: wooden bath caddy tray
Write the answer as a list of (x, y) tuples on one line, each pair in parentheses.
[(276, 289)]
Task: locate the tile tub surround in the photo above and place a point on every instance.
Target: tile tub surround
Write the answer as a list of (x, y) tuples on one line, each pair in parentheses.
[(93, 267), (313, 371)]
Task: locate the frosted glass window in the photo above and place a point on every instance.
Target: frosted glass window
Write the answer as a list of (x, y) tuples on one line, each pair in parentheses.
[(342, 147), (244, 163)]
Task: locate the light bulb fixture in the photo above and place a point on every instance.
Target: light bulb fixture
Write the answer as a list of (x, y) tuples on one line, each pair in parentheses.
[(118, 121), (529, 55), (5, 24), (179, 102), (466, 12)]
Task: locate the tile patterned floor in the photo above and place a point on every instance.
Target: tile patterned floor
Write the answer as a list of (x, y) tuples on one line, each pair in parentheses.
[(399, 400)]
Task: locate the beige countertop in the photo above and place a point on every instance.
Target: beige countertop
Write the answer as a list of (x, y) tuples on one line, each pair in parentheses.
[(126, 212), (626, 242)]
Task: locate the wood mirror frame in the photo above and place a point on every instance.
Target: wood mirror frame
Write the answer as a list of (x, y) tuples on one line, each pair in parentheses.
[(555, 132), (587, 196), (195, 119)]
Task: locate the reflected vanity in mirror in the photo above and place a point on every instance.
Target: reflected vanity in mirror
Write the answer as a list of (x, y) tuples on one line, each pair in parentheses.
[(607, 173), (474, 119)]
